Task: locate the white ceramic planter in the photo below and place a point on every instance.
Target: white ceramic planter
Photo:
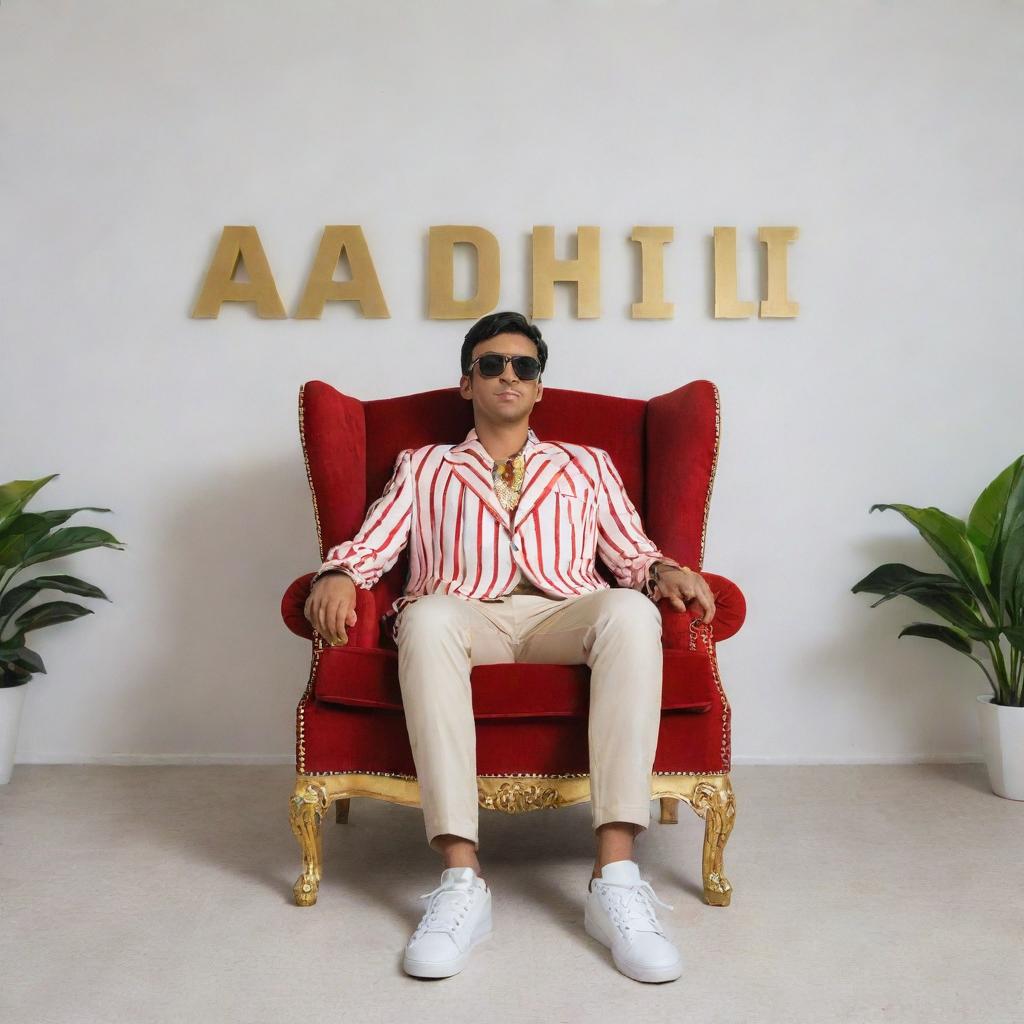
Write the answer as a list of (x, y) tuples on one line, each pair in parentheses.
[(1002, 741), (12, 699)]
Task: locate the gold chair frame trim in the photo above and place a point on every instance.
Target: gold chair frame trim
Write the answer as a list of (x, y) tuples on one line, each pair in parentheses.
[(710, 796)]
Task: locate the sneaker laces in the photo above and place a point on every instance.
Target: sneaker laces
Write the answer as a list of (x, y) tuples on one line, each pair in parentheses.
[(446, 909), (632, 909)]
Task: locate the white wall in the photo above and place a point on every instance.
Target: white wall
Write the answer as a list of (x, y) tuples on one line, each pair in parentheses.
[(887, 132)]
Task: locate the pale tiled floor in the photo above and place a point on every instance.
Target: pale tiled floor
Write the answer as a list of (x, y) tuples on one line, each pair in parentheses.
[(861, 894)]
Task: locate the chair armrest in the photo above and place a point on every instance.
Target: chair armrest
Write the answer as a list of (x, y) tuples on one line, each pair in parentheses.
[(366, 631), (730, 611)]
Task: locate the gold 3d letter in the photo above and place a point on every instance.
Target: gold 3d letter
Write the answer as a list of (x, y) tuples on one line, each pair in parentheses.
[(727, 305), (652, 304), (442, 304), (239, 243), (363, 286), (585, 270), (776, 240)]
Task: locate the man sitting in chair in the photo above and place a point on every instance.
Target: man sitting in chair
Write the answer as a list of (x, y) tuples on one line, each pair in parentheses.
[(480, 593)]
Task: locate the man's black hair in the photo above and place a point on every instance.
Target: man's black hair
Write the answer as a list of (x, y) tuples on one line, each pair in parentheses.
[(507, 322)]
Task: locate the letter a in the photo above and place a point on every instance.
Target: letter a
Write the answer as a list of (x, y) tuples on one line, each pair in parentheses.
[(363, 287), (239, 244)]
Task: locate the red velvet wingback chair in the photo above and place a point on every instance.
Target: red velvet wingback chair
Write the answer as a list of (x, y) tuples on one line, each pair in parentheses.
[(531, 719)]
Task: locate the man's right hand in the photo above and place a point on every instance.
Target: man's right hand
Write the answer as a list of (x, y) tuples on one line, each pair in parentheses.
[(331, 606)]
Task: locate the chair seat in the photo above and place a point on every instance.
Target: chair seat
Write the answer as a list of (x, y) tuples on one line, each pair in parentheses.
[(368, 677)]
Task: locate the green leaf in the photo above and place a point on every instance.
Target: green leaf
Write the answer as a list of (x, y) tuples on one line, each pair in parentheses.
[(892, 577), (987, 513), (934, 631), (1014, 507), (947, 536), (1015, 602), (18, 535), (67, 541), (49, 614), (979, 561), (11, 645), (1015, 634), (12, 675), (27, 659), (955, 611), (23, 593), (57, 516), (17, 493), (1011, 565), (944, 595)]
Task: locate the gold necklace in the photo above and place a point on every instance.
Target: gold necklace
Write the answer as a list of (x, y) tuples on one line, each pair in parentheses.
[(508, 478)]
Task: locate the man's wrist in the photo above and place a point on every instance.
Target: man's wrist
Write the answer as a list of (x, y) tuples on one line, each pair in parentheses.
[(659, 568), (326, 572)]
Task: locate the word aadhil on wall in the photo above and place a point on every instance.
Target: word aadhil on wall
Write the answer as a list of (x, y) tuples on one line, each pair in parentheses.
[(240, 246)]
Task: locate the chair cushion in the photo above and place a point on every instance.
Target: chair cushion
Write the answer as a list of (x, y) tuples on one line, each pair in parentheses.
[(368, 677)]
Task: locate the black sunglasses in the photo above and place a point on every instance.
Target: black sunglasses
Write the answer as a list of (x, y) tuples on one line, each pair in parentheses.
[(493, 365)]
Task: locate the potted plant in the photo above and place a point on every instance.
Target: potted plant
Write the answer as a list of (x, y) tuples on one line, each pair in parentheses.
[(982, 601), (27, 538)]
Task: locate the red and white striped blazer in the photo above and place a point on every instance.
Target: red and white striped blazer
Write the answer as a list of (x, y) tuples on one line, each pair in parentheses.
[(441, 501)]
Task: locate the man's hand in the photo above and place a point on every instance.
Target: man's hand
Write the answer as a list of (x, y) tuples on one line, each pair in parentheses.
[(331, 606), (681, 586)]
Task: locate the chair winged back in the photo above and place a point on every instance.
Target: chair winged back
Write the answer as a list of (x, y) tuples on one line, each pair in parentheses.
[(665, 449)]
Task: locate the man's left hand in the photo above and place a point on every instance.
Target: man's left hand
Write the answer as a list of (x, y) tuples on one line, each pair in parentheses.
[(681, 586)]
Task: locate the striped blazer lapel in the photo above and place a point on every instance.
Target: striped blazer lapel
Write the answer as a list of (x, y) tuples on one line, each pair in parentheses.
[(471, 464), (545, 463)]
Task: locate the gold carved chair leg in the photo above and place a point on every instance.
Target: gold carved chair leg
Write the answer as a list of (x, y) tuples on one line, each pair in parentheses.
[(307, 807), (669, 810), (715, 802), (341, 810)]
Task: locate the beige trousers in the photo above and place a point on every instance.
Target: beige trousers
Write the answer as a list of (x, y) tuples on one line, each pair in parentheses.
[(617, 632)]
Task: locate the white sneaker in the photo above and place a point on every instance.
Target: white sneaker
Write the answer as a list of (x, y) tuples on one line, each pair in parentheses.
[(619, 914), (457, 918)]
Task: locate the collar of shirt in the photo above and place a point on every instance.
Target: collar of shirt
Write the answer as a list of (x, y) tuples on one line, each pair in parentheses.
[(473, 441)]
